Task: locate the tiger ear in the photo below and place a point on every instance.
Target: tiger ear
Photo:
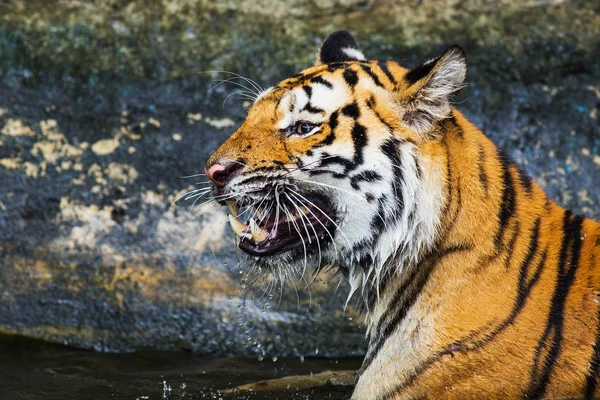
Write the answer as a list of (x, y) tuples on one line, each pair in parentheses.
[(338, 47), (431, 87)]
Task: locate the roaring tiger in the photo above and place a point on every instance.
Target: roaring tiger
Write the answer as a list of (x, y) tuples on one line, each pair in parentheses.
[(475, 284)]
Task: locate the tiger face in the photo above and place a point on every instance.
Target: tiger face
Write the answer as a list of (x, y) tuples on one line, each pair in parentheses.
[(337, 164)]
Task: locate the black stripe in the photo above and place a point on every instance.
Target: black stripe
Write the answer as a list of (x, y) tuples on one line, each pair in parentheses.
[(301, 76), (372, 75), (390, 149), (371, 105), (315, 110), (378, 222), (384, 67), (308, 76), (469, 343), (511, 245), (482, 175), (332, 67), (309, 107), (548, 205), (364, 176), (374, 294), (591, 384), (350, 77), (333, 123), (377, 225), (403, 300), (337, 160), (525, 179), (448, 201), (359, 137), (308, 90), (319, 79), (351, 110), (551, 339), (508, 201), (371, 102), (451, 196), (420, 72), (277, 104), (375, 341)]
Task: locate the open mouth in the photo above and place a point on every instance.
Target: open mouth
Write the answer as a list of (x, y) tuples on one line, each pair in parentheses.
[(281, 229)]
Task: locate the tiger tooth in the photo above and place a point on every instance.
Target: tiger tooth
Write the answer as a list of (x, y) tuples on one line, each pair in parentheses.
[(233, 208), (302, 211), (253, 226), (238, 227), (258, 233), (260, 236)]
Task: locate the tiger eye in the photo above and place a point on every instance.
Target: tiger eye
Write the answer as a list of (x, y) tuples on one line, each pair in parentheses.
[(304, 128)]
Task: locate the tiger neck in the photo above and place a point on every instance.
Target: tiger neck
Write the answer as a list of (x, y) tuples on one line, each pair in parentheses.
[(477, 222)]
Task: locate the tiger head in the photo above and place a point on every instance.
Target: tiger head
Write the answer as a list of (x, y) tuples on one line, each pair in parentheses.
[(338, 165)]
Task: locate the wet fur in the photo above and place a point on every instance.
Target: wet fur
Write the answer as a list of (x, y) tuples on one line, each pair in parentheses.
[(476, 285)]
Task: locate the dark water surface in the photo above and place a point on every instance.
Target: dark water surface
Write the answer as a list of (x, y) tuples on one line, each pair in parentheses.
[(35, 370)]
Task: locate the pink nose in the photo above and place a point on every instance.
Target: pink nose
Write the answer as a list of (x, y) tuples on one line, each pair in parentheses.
[(220, 174)]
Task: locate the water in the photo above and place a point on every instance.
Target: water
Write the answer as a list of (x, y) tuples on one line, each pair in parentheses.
[(33, 370), (109, 109)]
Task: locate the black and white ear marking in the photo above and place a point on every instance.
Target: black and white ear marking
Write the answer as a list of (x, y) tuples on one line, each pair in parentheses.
[(433, 84), (338, 47)]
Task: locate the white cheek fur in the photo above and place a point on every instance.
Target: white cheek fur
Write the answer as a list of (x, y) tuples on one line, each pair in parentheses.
[(409, 230)]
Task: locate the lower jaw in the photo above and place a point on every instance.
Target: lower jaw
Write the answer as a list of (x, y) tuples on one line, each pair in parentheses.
[(284, 245), (256, 250)]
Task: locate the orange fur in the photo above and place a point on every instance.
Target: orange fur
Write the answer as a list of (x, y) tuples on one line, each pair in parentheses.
[(511, 306)]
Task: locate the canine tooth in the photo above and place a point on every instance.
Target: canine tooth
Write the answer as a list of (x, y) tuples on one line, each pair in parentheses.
[(258, 233), (253, 226), (260, 236), (302, 211), (239, 227), (233, 208)]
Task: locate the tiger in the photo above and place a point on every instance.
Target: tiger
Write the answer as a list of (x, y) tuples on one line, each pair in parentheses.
[(474, 283)]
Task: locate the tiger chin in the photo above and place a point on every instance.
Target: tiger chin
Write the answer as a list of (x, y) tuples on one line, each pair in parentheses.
[(475, 284)]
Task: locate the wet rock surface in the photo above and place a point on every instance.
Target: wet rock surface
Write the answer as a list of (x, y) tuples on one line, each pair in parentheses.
[(105, 108)]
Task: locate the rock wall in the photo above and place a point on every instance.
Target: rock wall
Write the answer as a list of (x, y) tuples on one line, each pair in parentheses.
[(109, 109)]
